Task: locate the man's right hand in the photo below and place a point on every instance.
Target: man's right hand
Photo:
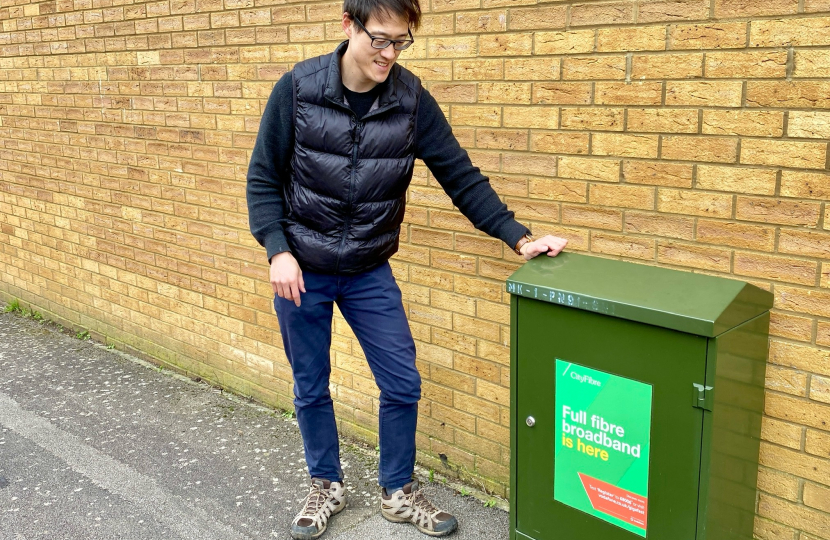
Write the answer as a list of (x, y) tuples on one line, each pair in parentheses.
[(286, 277)]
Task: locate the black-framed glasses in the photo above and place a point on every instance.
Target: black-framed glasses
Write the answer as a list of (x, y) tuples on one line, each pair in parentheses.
[(382, 43)]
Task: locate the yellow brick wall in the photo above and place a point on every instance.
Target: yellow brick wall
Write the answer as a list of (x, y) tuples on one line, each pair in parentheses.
[(685, 133)]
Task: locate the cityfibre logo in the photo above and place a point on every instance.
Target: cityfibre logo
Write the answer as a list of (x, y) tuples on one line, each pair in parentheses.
[(584, 379)]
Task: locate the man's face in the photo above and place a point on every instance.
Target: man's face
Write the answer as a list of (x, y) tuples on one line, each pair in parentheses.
[(370, 66)]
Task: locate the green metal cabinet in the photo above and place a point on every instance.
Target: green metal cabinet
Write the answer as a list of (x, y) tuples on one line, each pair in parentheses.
[(678, 359)]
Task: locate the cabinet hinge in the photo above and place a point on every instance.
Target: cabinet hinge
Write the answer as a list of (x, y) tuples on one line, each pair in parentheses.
[(702, 397)]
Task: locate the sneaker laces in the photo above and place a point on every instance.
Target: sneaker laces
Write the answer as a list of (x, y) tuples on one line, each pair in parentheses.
[(422, 507), (315, 502)]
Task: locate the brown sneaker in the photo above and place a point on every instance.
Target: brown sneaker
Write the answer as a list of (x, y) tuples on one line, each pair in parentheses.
[(410, 505), (324, 499)]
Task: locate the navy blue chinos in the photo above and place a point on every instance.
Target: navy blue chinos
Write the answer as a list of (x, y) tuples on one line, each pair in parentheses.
[(371, 304)]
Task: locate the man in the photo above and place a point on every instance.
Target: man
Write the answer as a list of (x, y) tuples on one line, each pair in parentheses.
[(326, 193)]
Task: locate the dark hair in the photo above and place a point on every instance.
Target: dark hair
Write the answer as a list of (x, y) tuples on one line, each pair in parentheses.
[(383, 9)]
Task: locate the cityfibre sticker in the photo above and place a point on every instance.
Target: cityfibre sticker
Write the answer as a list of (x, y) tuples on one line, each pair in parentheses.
[(603, 433)]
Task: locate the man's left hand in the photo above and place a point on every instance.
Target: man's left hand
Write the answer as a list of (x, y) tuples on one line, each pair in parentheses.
[(552, 245)]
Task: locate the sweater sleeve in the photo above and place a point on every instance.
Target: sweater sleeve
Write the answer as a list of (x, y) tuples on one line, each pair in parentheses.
[(469, 190), (269, 169)]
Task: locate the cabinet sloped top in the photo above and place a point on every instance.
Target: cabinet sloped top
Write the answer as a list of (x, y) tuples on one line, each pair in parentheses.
[(693, 303)]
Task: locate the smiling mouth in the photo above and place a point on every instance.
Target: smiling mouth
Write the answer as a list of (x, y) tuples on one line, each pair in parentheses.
[(382, 64)]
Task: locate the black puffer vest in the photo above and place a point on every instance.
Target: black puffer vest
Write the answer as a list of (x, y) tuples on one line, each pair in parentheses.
[(349, 176)]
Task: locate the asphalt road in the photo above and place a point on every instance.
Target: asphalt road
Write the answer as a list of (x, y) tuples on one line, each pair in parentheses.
[(95, 444)]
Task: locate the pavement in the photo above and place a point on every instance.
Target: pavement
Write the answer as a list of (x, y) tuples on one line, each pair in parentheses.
[(96, 444)]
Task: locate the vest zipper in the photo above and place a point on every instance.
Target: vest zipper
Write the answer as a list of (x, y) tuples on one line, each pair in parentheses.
[(349, 200)]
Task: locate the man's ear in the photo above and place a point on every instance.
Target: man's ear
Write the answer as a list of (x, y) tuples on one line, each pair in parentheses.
[(348, 24)]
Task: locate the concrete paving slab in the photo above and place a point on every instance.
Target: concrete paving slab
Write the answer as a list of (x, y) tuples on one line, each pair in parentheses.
[(95, 444)]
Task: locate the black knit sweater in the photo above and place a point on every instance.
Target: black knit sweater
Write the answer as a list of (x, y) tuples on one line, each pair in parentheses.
[(435, 144)]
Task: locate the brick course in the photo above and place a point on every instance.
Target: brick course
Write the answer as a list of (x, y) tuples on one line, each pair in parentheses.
[(686, 133)]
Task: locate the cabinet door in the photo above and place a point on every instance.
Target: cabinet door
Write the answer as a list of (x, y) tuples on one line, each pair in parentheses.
[(636, 356)]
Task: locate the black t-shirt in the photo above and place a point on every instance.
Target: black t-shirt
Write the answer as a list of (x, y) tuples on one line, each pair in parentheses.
[(361, 102)]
